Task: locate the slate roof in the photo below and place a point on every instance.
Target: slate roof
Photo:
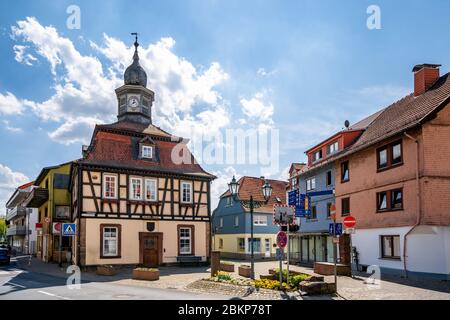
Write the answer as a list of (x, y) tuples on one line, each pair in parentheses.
[(117, 145), (253, 186)]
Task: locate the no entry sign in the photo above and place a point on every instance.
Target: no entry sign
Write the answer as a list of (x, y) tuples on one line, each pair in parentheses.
[(281, 239), (349, 222)]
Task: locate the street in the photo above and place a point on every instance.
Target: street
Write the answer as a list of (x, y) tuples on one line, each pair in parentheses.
[(19, 284)]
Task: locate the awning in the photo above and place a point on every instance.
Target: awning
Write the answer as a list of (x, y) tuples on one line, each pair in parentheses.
[(37, 198)]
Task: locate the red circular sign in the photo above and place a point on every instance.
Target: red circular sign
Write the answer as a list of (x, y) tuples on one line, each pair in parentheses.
[(349, 222), (281, 239)]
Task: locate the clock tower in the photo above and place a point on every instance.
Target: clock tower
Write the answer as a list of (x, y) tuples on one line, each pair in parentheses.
[(134, 99)]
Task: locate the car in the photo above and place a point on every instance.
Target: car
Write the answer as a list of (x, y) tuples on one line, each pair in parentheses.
[(4, 256)]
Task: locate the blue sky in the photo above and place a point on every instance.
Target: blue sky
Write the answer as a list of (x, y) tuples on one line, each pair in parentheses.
[(307, 65)]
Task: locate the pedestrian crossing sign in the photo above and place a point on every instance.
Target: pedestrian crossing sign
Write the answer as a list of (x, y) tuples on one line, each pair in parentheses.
[(69, 229)]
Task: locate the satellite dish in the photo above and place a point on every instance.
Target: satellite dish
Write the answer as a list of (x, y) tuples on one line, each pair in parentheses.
[(347, 123)]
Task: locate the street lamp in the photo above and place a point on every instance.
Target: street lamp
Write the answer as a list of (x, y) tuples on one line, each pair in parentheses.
[(251, 204)]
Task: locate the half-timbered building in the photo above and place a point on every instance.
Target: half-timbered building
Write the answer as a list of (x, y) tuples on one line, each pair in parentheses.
[(138, 195)]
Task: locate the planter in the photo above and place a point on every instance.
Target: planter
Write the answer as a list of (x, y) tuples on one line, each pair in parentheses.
[(245, 271), (106, 270), (228, 267), (146, 274), (267, 277)]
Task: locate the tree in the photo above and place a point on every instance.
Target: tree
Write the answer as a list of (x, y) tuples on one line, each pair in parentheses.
[(2, 228)]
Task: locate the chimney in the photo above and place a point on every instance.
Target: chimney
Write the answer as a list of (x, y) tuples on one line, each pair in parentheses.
[(425, 75)]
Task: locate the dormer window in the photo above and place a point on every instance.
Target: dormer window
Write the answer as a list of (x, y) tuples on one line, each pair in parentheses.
[(147, 152), (317, 156), (332, 148)]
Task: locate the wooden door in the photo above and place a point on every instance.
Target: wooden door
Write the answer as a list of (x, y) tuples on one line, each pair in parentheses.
[(150, 250)]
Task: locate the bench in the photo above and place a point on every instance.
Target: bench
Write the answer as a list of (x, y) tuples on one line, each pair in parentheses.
[(189, 260)]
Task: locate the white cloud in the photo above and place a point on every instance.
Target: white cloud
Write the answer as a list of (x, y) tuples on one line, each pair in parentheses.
[(258, 107), (84, 87), (10, 128), (263, 73), (10, 104), (22, 56), (9, 181)]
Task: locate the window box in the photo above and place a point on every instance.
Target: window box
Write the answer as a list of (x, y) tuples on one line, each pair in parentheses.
[(148, 274), (226, 266), (106, 270), (245, 271)]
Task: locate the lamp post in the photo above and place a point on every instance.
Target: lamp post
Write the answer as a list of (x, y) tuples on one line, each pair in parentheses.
[(251, 205)]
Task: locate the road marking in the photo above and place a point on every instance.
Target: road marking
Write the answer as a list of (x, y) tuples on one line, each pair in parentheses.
[(53, 295), (17, 285)]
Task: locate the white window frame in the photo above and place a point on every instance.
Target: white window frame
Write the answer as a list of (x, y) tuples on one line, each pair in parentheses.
[(310, 185), (148, 182), (183, 184), (257, 221), (104, 186), (185, 238), (116, 238), (220, 222), (236, 221), (317, 154), (132, 197), (333, 147), (146, 156)]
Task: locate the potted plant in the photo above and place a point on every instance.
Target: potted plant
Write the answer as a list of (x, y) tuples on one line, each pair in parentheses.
[(149, 274), (245, 271), (106, 270), (226, 266)]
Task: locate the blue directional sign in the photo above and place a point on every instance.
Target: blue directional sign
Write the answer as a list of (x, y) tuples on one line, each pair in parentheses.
[(293, 197), (303, 209), (69, 229), (335, 231)]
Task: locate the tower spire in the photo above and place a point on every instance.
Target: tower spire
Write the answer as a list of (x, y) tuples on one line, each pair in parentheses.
[(135, 74), (136, 45)]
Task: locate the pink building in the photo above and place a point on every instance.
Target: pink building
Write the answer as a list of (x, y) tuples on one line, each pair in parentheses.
[(395, 180)]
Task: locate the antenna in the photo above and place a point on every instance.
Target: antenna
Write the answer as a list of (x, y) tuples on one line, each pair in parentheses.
[(347, 124)]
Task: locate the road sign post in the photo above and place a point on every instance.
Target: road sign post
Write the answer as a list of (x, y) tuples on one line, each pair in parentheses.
[(333, 216), (282, 241)]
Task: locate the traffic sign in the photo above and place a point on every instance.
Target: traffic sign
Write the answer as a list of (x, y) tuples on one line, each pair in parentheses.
[(349, 222), (335, 229), (281, 239), (280, 254), (283, 215), (333, 212), (69, 229), (56, 228), (47, 220)]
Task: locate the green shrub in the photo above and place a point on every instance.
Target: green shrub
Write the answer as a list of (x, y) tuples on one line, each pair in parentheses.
[(294, 281), (223, 276)]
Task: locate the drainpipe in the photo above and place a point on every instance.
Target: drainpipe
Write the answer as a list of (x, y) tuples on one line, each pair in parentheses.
[(417, 200)]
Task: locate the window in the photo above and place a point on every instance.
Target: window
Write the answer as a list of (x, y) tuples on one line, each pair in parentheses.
[(229, 201), (313, 214), (136, 189), (332, 148), (151, 190), (293, 182), (345, 173), (221, 223), (329, 180), (109, 186), (389, 156), (185, 240), (147, 152), (260, 220), (329, 204), (220, 243), (110, 241), (390, 200), (241, 244), (345, 207), (317, 155), (236, 221), (256, 245), (186, 192), (390, 247), (310, 184)]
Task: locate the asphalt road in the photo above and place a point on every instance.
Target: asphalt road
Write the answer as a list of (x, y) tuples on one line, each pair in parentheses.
[(20, 284)]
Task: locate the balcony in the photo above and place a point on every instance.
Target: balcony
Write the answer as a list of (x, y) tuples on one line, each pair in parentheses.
[(16, 231), (15, 213), (36, 198)]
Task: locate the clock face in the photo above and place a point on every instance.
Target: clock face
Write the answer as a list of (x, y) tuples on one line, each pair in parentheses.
[(133, 102)]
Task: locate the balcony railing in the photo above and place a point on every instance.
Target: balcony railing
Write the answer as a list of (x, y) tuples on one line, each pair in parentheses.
[(36, 198), (16, 212), (16, 231)]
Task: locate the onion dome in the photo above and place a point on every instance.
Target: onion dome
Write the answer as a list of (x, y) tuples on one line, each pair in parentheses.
[(135, 74)]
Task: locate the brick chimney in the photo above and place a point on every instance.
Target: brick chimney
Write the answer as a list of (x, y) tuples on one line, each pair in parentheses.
[(425, 75)]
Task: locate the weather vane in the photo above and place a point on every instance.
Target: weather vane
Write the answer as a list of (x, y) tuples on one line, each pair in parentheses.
[(136, 41)]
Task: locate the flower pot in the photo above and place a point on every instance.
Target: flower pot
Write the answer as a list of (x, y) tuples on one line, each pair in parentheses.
[(245, 271), (106, 270), (228, 267), (149, 274)]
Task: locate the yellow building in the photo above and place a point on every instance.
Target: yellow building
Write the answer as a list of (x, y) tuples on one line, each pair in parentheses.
[(51, 196)]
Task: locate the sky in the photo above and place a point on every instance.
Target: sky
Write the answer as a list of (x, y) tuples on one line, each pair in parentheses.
[(294, 70)]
